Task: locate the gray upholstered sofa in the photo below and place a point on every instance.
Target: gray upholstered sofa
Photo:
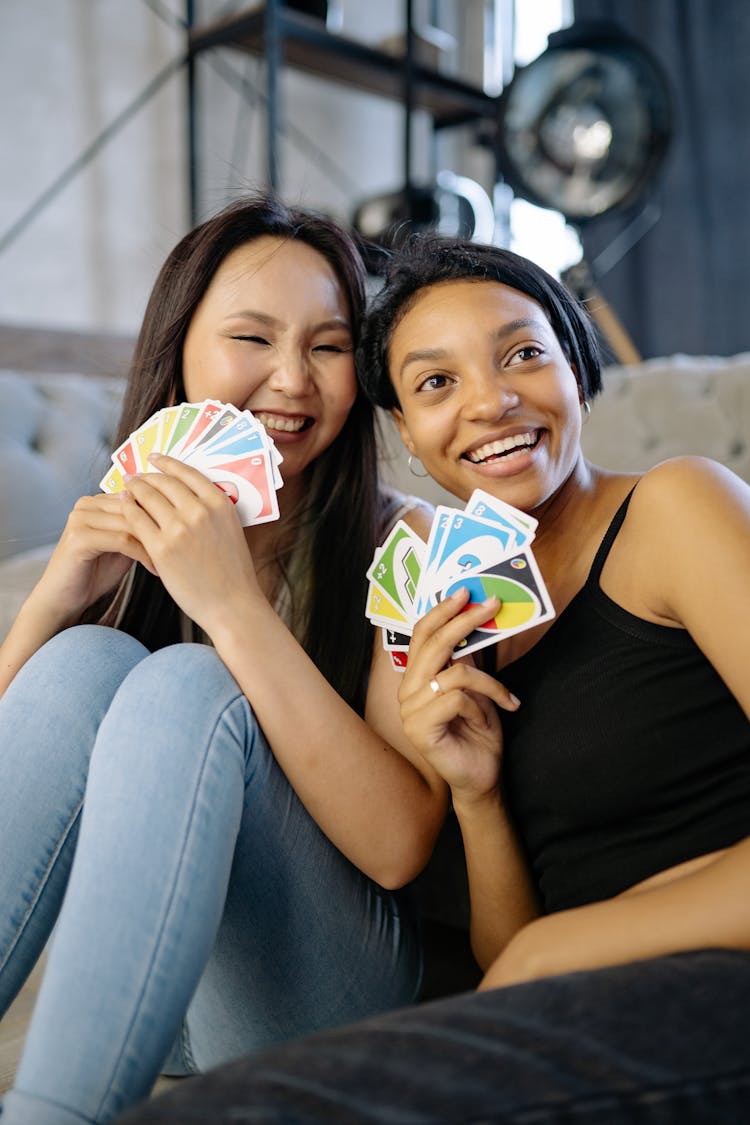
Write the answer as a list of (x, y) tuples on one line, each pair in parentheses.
[(59, 413), (60, 393)]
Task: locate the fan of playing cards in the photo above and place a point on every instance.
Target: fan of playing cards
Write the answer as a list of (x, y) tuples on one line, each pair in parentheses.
[(486, 548), (227, 445)]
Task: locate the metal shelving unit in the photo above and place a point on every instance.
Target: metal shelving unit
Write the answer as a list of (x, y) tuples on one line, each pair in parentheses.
[(286, 37)]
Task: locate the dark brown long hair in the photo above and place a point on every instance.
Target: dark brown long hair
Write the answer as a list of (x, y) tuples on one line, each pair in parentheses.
[(334, 528)]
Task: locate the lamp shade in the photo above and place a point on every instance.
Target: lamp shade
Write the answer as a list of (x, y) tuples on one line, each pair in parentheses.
[(585, 126)]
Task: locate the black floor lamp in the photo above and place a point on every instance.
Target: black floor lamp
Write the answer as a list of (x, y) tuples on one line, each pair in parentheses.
[(584, 129)]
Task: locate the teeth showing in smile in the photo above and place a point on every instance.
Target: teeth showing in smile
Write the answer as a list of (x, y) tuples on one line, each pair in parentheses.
[(276, 422), (504, 447)]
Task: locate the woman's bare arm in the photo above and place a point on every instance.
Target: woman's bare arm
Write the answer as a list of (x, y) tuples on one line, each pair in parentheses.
[(708, 908), (94, 552)]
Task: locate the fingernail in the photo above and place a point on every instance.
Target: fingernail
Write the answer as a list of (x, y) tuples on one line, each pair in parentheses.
[(514, 699), (128, 476), (154, 456), (492, 600), (458, 594)]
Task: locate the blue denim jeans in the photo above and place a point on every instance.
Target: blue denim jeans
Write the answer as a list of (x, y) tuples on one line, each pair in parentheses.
[(661, 1042), (199, 912)]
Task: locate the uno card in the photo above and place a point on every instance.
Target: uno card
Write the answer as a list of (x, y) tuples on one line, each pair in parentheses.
[(467, 543), (488, 507), (207, 412), (437, 531), (242, 436), (239, 440), (125, 457), (485, 548), (113, 480), (224, 429), (221, 423), (524, 598), (167, 421), (382, 611), (396, 567), (247, 472), (397, 647), (394, 641), (248, 481), (145, 440), (188, 412)]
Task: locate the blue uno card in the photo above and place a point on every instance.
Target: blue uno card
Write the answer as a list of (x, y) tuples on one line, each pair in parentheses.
[(488, 507), (468, 543)]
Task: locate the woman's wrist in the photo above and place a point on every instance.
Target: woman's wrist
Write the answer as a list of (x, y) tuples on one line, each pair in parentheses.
[(241, 621), (472, 803), (43, 615)]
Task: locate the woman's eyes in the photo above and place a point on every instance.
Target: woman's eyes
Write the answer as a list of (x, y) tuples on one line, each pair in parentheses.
[(434, 382), (337, 349), (439, 382), (254, 339), (527, 352)]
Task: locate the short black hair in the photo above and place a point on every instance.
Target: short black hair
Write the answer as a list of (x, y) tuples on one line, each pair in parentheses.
[(428, 259)]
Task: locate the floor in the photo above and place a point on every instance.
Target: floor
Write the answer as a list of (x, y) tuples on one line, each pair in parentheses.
[(13, 1031)]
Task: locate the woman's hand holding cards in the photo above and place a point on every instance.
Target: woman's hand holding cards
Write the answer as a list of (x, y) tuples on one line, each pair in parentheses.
[(93, 554), (448, 708), (191, 532)]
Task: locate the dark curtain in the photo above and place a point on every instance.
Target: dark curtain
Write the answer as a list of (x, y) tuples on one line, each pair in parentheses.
[(684, 287)]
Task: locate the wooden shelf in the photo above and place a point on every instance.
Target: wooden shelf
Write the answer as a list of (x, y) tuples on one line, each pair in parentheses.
[(309, 47)]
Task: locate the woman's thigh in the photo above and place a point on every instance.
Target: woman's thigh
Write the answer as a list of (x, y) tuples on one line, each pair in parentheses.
[(306, 940)]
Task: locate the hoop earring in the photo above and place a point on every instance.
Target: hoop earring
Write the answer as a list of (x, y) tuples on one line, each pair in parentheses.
[(585, 410), (412, 470)]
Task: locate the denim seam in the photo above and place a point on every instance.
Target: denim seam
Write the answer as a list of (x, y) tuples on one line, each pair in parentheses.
[(126, 1038), (187, 1050), (44, 879)]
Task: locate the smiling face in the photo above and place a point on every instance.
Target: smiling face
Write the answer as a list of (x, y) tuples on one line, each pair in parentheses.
[(487, 397), (272, 335)]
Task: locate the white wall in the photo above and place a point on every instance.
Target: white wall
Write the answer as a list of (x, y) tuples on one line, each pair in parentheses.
[(68, 68)]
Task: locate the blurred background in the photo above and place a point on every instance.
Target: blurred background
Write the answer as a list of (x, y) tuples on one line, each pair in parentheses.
[(606, 139)]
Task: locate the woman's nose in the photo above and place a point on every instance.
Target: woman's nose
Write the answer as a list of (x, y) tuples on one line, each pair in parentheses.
[(488, 395), (291, 375)]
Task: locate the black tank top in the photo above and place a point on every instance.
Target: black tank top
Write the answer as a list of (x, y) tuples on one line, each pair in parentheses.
[(628, 754)]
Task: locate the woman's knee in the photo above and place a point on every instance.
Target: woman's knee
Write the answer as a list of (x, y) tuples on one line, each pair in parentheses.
[(71, 680), (52, 711), (183, 698), (186, 676), (95, 653)]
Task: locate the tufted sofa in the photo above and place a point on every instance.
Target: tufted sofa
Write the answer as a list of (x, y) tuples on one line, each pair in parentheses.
[(55, 439), (56, 435), (664, 407)]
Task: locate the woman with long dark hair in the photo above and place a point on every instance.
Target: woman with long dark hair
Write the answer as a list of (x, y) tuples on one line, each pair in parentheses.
[(248, 807)]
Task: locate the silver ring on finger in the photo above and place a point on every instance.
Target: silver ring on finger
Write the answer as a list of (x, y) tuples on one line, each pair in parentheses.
[(436, 686)]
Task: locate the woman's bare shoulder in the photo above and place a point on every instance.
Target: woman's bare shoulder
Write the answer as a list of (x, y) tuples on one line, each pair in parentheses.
[(413, 510), (692, 487)]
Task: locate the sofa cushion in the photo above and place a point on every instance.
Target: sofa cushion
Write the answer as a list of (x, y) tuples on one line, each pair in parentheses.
[(55, 440), (665, 407), (18, 575)]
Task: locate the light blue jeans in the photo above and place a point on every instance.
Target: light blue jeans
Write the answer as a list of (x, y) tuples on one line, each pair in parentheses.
[(200, 912)]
